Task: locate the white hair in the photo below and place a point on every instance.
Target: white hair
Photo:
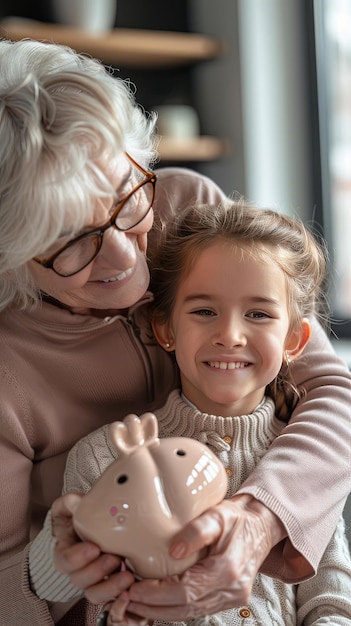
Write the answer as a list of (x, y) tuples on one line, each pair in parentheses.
[(61, 113)]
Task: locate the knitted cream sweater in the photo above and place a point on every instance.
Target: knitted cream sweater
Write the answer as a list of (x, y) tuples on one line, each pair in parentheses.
[(239, 442)]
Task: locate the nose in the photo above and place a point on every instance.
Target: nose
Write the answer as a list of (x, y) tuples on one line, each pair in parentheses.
[(229, 332), (118, 248)]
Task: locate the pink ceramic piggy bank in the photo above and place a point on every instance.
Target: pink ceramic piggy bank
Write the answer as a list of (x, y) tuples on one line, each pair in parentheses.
[(148, 494)]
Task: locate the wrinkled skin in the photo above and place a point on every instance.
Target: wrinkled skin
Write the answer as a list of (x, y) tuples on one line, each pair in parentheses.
[(240, 533)]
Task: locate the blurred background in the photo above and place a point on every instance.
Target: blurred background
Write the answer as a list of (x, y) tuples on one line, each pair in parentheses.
[(261, 103)]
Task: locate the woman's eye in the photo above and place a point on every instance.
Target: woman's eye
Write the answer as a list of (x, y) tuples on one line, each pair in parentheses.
[(117, 200), (122, 193)]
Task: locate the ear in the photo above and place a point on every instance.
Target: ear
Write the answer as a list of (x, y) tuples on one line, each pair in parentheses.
[(297, 341), (163, 335)]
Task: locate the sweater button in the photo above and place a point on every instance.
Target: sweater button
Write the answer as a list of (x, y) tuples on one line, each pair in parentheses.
[(229, 471), (245, 612), (227, 439)]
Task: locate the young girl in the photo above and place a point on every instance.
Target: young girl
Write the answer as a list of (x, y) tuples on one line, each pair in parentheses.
[(234, 290)]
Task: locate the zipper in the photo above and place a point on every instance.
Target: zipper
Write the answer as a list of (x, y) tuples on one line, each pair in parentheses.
[(134, 334)]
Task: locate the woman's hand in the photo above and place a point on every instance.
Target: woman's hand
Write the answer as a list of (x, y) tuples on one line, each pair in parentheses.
[(99, 575), (240, 532)]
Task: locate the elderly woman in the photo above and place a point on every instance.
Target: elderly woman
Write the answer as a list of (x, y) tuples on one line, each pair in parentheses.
[(77, 202)]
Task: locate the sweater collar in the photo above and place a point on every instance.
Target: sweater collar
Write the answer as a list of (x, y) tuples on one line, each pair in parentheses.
[(179, 419)]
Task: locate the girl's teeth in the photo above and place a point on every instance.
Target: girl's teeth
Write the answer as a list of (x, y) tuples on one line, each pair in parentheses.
[(223, 365)]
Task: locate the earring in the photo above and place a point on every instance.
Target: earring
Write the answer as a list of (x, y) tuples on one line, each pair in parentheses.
[(287, 358), (168, 345)]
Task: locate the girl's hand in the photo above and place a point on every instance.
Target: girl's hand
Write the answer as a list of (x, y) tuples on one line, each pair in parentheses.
[(240, 532), (116, 613), (99, 575)]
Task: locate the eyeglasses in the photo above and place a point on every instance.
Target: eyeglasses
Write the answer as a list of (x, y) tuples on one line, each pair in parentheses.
[(129, 212)]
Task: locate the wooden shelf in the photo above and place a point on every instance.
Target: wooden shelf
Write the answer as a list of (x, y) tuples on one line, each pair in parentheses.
[(139, 49), (202, 148), (122, 46)]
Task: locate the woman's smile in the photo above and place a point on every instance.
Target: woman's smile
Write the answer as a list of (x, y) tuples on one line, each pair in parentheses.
[(117, 278)]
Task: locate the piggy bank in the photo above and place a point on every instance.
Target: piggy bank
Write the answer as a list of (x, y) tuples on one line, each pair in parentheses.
[(148, 494)]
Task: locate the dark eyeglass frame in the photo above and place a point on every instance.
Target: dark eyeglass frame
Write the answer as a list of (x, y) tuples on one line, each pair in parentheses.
[(150, 177)]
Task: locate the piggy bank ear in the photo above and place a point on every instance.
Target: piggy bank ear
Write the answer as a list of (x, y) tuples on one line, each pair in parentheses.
[(134, 432)]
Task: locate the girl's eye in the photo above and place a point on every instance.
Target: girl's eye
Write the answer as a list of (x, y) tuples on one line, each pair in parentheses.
[(203, 312), (257, 315)]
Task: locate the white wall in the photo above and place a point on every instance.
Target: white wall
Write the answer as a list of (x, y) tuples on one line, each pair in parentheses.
[(217, 90), (276, 133)]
